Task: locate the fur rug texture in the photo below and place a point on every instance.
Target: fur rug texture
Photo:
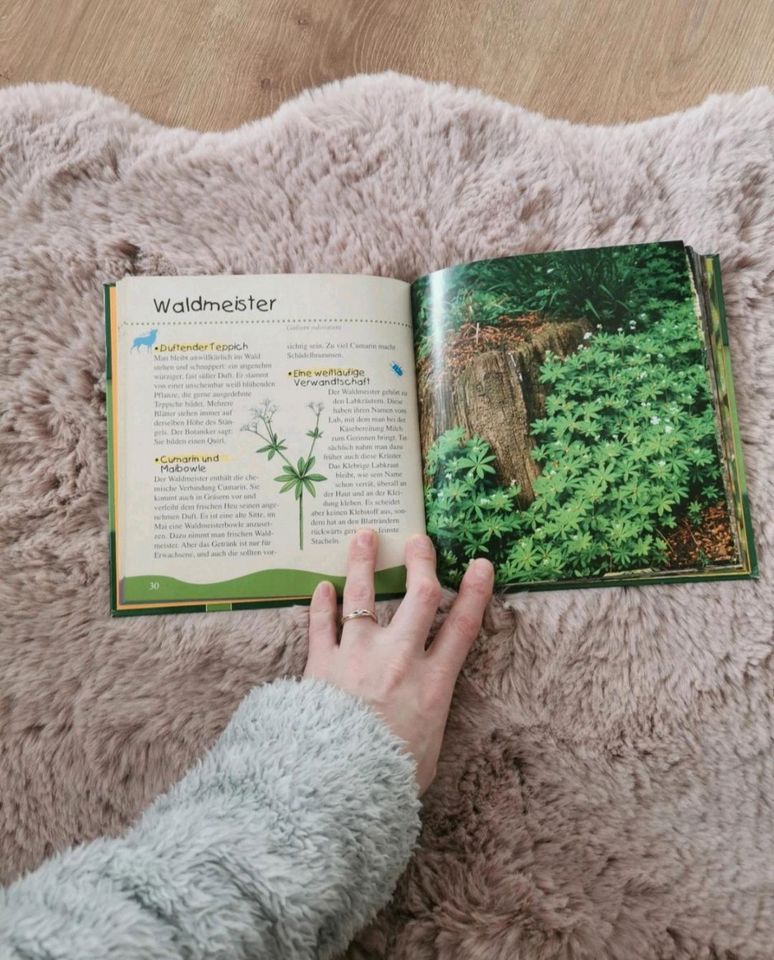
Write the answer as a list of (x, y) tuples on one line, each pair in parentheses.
[(607, 784)]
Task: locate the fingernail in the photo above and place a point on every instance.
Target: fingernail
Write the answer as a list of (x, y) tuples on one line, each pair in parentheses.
[(365, 538), (481, 568), (325, 590), (421, 542)]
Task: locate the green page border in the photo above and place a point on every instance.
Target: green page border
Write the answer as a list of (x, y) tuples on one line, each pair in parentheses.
[(275, 583)]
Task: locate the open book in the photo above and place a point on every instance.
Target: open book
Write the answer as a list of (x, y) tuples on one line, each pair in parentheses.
[(569, 415)]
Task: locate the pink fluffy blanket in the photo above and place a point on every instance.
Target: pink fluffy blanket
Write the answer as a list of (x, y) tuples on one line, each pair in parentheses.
[(607, 780)]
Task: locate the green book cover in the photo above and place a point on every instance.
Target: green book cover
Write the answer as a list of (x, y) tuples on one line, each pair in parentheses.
[(570, 415)]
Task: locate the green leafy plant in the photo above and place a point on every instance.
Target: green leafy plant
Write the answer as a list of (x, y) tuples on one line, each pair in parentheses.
[(299, 477), (469, 513), (627, 445)]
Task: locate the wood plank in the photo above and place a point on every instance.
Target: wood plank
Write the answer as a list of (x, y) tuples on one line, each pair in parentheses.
[(214, 65)]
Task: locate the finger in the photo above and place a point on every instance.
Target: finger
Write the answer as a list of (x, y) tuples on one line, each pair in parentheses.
[(418, 608), (359, 585), (322, 622), (462, 626)]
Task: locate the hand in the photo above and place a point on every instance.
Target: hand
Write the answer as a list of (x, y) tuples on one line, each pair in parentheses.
[(389, 667)]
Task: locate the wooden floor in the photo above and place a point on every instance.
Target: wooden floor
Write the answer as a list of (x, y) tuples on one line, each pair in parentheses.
[(213, 64)]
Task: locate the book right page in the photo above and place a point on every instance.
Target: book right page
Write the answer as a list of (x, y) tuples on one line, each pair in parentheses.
[(571, 423)]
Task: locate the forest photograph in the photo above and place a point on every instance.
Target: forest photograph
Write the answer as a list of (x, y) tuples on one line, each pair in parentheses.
[(567, 425)]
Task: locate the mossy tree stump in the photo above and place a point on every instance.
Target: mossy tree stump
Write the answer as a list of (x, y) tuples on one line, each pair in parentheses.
[(496, 393)]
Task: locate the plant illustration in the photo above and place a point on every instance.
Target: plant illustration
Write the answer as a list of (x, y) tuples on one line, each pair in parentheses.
[(299, 477)]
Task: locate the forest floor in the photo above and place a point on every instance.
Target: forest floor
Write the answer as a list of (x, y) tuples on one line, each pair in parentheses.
[(709, 541)]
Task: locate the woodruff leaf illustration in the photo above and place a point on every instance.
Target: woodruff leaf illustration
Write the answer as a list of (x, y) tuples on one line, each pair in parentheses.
[(297, 478)]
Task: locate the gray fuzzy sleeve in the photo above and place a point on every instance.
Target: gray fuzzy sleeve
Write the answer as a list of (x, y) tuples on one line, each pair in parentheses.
[(281, 843)]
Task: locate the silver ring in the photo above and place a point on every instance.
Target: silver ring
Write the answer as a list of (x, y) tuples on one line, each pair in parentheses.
[(357, 614)]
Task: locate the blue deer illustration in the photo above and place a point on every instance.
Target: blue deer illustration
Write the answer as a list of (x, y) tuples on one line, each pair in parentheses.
[(147, 341)]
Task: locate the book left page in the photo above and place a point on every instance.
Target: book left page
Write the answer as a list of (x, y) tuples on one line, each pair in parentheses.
[(256, 423)]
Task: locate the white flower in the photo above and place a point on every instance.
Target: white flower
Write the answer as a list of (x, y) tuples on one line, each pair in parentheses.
[(655, 420), (620, 329), (587, 336), (668, 429), (599, 326)]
